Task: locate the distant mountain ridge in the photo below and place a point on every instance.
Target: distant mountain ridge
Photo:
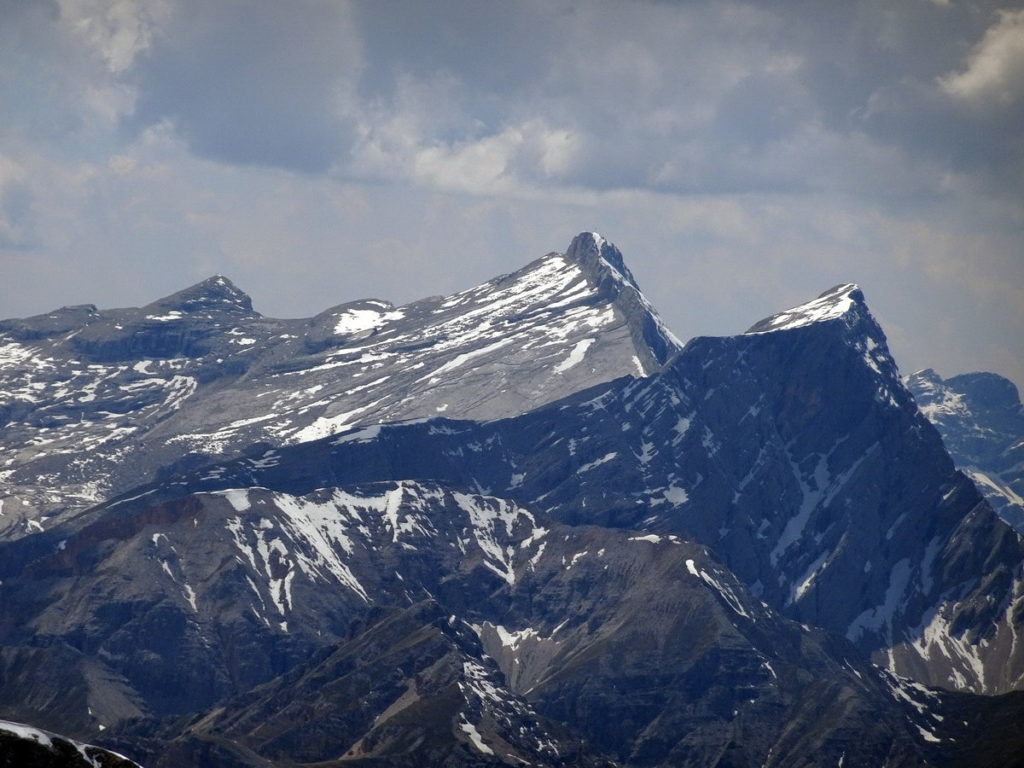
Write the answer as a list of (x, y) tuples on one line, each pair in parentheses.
[(981, 420), (96, 401)]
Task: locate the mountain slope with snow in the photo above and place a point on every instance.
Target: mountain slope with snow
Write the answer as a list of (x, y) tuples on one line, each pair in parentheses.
[(22, 745), (518, 524), (93, 401), (796, 455), (345, 620)]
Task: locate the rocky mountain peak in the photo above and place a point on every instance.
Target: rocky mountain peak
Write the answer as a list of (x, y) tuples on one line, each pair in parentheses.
[(216, 293), (599, 258), (982, 394), (988, 391), (605, 269), (833, 304), (53, 323)]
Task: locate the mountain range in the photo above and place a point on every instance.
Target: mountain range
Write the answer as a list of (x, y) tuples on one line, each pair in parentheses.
[(523, 524)]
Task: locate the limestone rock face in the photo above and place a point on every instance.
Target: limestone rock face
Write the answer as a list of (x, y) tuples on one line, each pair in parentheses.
[(795, 454)]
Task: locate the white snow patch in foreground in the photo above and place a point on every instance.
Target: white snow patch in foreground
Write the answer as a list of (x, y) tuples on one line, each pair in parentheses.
[(723, 590), (653, 538), (43, 738), (675, 495), (597, 462), (238, 498), (25, 732)]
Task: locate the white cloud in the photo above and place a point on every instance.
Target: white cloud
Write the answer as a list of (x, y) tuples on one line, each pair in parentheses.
[(995, 66), (505, 162)]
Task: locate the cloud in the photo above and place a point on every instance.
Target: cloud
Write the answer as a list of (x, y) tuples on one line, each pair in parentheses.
[(501, 98), (262, 83), (995, 66), (117, 30), (17, 224)]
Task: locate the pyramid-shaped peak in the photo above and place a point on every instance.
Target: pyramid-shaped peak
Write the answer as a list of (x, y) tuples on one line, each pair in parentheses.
[(598, 256), (835, 303), (213, 293)]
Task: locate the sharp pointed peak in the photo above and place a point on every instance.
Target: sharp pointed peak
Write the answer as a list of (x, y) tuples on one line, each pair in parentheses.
[(596, 254), (835, 303)]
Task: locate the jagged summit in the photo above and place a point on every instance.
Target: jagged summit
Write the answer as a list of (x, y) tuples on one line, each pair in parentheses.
[(596, 255), (925, 374), (830, 305), (216, 292)]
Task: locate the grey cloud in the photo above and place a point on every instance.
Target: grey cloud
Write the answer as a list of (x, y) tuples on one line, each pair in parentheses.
[(879, 69), (498, 50), (994, 72), (698, 97), (17, 221), (260, 83)]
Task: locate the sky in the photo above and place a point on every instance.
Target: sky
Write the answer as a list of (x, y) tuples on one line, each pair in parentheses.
[(744, 157)]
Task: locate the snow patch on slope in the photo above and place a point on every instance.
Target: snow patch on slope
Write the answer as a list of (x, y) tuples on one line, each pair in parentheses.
[(831, 305)]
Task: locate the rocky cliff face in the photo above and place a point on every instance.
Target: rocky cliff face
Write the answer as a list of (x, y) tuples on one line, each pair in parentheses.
[(981, 420)]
